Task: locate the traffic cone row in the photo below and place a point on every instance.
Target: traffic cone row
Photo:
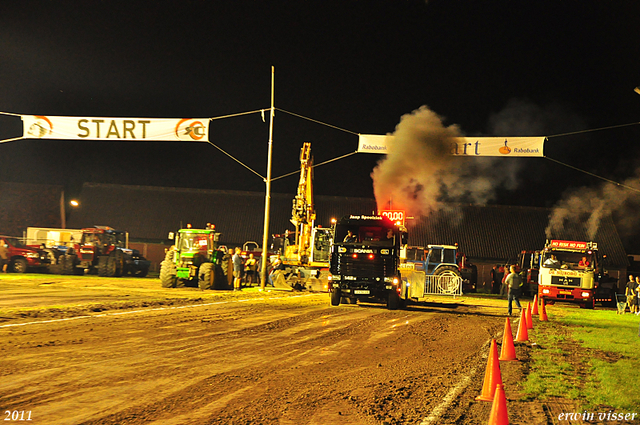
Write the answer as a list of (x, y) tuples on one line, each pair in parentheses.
[(492, 387)]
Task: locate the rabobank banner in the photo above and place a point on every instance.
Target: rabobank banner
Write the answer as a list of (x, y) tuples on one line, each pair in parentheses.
[(467, 146), (116, 129)]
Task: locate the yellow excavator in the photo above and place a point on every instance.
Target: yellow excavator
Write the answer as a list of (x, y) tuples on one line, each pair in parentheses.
[(305, 252)]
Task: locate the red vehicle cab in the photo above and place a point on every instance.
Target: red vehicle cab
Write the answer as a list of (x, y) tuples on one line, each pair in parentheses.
[(23, 257)]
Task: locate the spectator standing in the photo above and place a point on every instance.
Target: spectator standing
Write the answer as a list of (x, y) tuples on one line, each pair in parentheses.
[(631, 293), (250, 267), (514, 283), (4, 256), (637, 295), (237, 269), (495, 281)]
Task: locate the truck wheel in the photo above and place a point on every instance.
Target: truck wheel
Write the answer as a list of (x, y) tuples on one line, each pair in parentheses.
[(336, 294), (204, 276), (69, 264), (393, 301), (102, 265), (168, 274), (19, 265)]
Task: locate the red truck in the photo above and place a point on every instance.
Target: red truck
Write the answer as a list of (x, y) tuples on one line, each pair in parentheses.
[(23, 257)]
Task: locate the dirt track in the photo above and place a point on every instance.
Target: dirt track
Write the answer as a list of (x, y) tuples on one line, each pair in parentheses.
[(285, 360)]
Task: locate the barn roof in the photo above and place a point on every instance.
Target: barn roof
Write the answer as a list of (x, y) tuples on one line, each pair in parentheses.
[(24, 204), (483, 232)]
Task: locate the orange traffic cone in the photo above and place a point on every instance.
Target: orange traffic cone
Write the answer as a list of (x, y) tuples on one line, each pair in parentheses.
[(499, 415), (535, 305), (543, 312), (529, 318), (492, 376), (523, 334), (508, 351)]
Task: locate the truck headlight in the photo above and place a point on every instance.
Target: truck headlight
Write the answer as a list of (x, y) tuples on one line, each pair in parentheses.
[(32, 255)]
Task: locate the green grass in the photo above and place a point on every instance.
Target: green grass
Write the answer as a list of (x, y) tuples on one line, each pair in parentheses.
[(607, 371)]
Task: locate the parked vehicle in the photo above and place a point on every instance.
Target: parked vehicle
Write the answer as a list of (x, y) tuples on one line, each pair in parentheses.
[(195, 260), (102, 250), (23, 257)]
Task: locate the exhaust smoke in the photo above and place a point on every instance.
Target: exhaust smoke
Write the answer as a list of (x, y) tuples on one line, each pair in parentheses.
[(419, 174)]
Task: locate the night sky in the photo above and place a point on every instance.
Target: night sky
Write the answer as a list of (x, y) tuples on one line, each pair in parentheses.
[(494, 68)]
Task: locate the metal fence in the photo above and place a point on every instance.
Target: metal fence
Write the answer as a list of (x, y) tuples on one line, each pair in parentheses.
[(421, 285)]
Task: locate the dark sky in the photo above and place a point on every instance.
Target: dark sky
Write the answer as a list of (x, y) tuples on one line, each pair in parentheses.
[(492, 67)]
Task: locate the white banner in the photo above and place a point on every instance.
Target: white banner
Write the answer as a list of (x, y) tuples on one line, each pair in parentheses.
[(467, 146), (116, 129)]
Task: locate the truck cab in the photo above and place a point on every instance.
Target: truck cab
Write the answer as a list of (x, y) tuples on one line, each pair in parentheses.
[(570, 271), (365, 259)]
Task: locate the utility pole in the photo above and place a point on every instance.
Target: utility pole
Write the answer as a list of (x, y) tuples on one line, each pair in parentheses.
[(267, 199)]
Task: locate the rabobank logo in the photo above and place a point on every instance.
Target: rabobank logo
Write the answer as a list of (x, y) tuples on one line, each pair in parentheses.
[(505, 150)]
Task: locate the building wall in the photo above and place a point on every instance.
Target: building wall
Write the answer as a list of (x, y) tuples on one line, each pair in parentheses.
[(153, 252)]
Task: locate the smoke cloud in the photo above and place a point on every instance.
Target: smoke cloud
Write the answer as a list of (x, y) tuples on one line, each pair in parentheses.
[(592, 205), (419, 173)]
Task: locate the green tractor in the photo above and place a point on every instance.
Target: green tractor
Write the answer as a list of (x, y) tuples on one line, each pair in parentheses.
[(194, 260)]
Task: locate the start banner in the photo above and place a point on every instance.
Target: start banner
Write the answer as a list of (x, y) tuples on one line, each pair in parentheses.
[(116, 129), (467, 146)]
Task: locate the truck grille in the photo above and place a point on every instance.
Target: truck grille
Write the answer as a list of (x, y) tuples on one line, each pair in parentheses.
[(364, 267), (565, 281)]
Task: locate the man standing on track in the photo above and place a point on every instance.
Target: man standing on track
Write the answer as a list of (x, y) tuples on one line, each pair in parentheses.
[(514, 283)]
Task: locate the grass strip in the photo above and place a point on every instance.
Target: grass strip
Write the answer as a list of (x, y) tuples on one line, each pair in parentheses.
[(591, 356)]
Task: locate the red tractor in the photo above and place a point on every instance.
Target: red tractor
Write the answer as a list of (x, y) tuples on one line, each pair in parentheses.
[(104, 251)]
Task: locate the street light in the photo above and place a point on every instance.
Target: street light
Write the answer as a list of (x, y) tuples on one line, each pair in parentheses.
[(637, 90), (74, 203)]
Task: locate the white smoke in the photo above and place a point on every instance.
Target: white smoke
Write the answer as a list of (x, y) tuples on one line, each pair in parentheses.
[(592, 205)]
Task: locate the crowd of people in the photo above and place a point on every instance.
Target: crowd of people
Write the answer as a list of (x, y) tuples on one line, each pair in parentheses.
[(246, 271), (632, 291)]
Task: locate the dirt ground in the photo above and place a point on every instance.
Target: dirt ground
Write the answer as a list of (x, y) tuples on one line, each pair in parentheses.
[(91, 353)]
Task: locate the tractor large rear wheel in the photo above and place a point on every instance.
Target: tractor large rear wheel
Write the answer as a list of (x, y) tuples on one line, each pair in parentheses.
[(102, 265), (118, 262), (69, 264), (205, 276), (168, 274)]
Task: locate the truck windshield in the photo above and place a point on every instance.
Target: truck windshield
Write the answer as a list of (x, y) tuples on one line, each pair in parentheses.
[(368, 235), (568, 260)]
